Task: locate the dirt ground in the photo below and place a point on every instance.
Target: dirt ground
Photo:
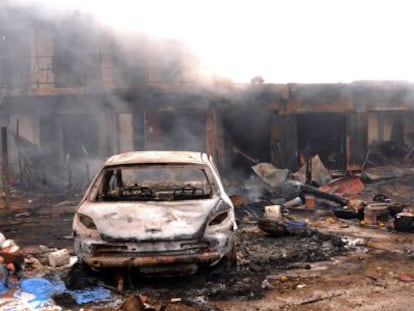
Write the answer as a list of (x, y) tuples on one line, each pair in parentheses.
[(336, 265), (375, 276)]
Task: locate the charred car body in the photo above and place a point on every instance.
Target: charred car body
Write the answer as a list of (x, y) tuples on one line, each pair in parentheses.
[(157, 211)]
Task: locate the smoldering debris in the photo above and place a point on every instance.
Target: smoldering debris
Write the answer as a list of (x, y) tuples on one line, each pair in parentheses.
[(376, 197), (318, 173), (271, 175)]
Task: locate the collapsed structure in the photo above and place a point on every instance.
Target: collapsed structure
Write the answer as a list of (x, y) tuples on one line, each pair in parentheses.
[(73, 93)]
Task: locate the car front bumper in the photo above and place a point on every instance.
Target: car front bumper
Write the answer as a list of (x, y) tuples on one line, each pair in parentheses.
[(145, 261), (100, 254)]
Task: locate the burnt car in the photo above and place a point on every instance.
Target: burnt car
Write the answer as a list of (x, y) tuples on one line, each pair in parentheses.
[(156, 211)]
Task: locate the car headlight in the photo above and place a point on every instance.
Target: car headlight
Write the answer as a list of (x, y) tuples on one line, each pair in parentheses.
[(87, 222), (218, 219), (220, 216)]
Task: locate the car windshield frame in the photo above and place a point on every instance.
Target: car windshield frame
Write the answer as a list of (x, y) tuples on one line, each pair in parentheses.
[(112, 183)]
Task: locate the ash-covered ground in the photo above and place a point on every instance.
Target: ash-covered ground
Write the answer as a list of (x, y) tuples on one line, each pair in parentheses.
[(258, 254), (330, 264)]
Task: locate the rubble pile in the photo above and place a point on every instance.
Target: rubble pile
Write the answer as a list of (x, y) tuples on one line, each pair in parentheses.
[(377, 196), (265, 253)]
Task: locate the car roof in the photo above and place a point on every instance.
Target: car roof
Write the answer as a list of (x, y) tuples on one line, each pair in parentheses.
[(141, 157)]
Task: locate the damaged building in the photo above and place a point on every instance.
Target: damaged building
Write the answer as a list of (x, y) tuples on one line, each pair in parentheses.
[(217, 189), (73, 92), (72, 95)]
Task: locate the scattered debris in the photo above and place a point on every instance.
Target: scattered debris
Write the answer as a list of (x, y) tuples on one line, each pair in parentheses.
[(403, 222), (406, 277), (284, 229), (386, 153), (385, 173), (375, 212), (320, 175), (132, 303), (23, 214), (266, 284), (59, 258), (294, 202), (319, 299), (348, 186), (271, 175), (272, 226), (273, 212)]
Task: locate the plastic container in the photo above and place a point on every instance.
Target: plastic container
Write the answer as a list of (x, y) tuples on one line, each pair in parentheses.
[(374, 212)]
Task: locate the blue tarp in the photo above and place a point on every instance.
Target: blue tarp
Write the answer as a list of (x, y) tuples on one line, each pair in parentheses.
[(36, 293)]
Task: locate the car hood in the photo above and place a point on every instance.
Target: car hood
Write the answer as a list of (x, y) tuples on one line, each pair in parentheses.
[(140, 221)]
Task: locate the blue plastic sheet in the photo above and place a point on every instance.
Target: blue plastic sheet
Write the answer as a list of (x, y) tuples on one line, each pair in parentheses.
[(2, 286), (3, 276), (82, 296), (90, 294), (40, 288)]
